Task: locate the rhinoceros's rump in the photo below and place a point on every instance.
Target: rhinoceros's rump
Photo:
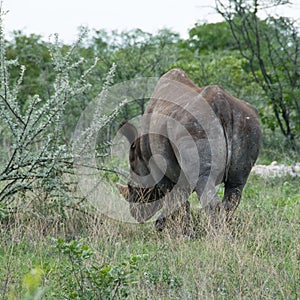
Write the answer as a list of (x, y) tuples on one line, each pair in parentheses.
[(191, 139)]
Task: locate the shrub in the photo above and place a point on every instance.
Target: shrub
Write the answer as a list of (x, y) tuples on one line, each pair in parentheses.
[(35, 156), (82, 277)]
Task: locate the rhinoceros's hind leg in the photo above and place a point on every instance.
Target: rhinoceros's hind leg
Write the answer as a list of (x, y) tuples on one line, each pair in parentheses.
[(232, 198)]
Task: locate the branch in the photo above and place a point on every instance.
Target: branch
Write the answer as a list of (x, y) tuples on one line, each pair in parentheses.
[(9, 106)]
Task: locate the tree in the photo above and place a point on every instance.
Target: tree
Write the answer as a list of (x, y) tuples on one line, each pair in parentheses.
[(136, 53), (211, 37), (30, 51), (210, 56), (272, 49)]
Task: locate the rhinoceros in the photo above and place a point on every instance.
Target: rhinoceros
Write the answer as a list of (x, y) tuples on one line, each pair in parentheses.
[(191, 140)]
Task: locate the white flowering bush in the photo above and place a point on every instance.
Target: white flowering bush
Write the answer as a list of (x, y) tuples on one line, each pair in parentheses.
[(33, 153)]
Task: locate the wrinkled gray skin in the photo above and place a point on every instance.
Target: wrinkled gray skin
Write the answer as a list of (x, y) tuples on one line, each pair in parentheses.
[(191, 139)]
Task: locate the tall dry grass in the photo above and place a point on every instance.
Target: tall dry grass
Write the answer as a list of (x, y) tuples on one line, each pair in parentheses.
[(257, 257)]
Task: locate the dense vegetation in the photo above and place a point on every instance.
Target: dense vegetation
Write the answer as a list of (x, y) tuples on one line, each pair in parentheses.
[(55, 245)]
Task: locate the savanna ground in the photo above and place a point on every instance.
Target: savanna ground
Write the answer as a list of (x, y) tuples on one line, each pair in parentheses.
[(51, 248), (82, 256)]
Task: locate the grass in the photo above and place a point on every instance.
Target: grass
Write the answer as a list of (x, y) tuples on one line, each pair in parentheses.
[(83, 257), (276, 148)]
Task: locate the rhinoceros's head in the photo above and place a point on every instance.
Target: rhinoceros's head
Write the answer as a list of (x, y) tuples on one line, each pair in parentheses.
[(143, 202), (141, 192)]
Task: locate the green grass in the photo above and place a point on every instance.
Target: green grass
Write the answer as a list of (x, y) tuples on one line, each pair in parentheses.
[(100, 258), (276, 148)]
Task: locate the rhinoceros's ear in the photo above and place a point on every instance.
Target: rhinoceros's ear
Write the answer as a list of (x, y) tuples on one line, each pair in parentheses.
[(123, 189), (129, 131)]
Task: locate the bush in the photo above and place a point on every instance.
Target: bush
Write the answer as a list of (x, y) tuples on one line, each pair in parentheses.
[(35, 157), (32, 289), (82, 277)]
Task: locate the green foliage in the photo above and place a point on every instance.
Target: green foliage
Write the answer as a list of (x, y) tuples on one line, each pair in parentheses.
[(31, 286), (33, 53), (268, 77), (276, 148), (83, 278), (163, 277), (211, 37), (271, 47)]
